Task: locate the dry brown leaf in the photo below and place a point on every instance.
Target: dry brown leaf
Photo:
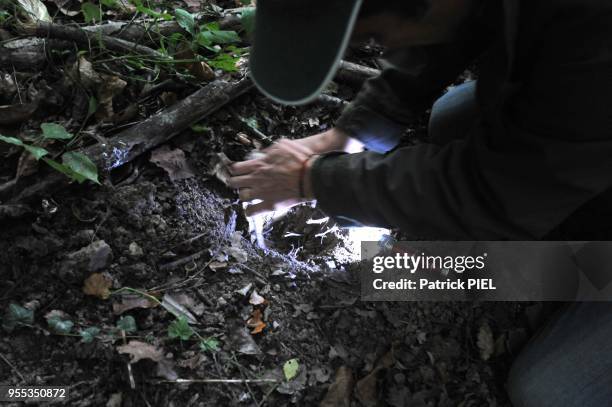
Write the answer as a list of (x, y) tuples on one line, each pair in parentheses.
[(217, 265), (173, 306), (256, 299), (168, 98), (220, 169), (243, 139), (98, 285), (87, 74), (201, 70), (173, 162), (63, 5), (366, 389), (193, 5), (485, 342), (240, 339), (27, 165), (165, 369), (255, 322), (128, 303), (339, 393), (35, 10), (107, 87), (110, 87), (141, 350)]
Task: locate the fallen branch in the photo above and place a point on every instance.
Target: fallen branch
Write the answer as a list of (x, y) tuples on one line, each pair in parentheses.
[(22, 61), (355, 74), (150, 133), (85, 38), (142, 30), (331, 101)]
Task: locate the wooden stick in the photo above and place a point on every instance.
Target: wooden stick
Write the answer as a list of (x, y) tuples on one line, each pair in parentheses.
[(85, 38), (144, 30), (129, 364), (22, 61), (12, 367), (355, 74), (331, 101)]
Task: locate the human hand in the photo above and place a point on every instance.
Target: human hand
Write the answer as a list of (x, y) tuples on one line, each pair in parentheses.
[(274, 179), (331, 140)]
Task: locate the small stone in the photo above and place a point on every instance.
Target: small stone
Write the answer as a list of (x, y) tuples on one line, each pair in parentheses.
[(221, 302), (135, 250), (83, 237), (96, 256)]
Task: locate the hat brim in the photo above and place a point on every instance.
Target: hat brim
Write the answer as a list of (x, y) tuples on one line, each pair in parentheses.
[(297, 48)]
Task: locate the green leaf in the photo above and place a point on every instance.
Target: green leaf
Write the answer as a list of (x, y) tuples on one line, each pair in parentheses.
[(225, 62), (210, 344), (54, 131), (82, 165), (290, 368), (200, 128), (4, 15), (15, 316), (89, 334), (37, 152), (151, 13), (109, 3), (209, 36), (179, 328), (127, 324), (185, 20), (251, 122), (64, 170), (247, 20), (91, 12), (59, 325)]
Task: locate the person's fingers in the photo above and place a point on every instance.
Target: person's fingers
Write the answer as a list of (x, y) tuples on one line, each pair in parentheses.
[(241, 181), (259, 208), (245, 194), (244, 167), (288, 145)]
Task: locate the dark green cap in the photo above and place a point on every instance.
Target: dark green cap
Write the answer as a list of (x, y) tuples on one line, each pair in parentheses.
[(298, 45)]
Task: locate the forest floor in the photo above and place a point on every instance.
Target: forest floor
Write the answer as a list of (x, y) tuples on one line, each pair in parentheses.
[(150, 288)]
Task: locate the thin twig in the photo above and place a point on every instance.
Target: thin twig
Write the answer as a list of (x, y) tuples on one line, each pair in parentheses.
[(129, 365), (244, 377), (13, 367), (210, 381), (84, 38), (181, 261), (218, 368)]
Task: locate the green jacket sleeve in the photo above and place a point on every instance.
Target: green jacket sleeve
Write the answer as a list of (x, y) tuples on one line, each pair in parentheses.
[(515, 177)]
